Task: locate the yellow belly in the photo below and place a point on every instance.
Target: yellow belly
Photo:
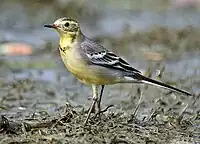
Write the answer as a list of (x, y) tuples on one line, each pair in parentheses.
[(89, 76), (85, 73)]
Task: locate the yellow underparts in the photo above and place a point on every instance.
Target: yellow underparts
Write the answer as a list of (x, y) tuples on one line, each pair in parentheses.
[(85, 73), (76, 65)]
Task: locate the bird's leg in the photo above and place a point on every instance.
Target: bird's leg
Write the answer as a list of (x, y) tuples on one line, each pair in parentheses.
[(99, 101), (94, 98)]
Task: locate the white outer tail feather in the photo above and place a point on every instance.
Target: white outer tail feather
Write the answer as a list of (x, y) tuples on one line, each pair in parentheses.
[(147, 82), (142, 79)]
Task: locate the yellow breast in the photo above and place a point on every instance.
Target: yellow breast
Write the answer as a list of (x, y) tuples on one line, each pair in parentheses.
[(75, 64)]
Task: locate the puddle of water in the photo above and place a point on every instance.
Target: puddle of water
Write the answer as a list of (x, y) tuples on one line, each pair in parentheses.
[(46, 75), (145, 20), (187, 65)]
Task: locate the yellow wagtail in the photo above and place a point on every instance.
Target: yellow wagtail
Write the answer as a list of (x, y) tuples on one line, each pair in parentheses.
[(92, 64)]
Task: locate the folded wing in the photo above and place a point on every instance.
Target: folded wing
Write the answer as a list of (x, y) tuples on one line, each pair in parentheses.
[(100, 56)]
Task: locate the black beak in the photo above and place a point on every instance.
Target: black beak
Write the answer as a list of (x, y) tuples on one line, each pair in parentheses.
[(50, 25)]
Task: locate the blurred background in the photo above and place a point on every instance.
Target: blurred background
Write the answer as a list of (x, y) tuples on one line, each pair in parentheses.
[(159, 37)]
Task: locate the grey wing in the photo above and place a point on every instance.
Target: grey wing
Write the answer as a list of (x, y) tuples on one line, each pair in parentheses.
[(98, 55)]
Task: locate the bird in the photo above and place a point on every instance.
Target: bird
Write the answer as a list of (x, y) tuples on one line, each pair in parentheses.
[(93, 64)]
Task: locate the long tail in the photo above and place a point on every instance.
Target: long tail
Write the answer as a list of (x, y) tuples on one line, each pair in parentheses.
[(159, 84)]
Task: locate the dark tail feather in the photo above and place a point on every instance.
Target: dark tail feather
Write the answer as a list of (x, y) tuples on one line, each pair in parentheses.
[(160, 84)]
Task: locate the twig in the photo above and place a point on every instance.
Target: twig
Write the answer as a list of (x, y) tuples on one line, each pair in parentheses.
[(180, 117), (151, 114), (138, 105)]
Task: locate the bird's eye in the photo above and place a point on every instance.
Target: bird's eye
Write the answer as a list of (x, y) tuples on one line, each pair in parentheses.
[(66, 24)]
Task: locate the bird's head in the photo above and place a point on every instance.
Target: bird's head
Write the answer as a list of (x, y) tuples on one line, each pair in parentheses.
[(65, 26)]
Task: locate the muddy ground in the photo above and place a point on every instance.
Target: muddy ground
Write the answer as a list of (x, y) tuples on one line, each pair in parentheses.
[(41, 102)]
